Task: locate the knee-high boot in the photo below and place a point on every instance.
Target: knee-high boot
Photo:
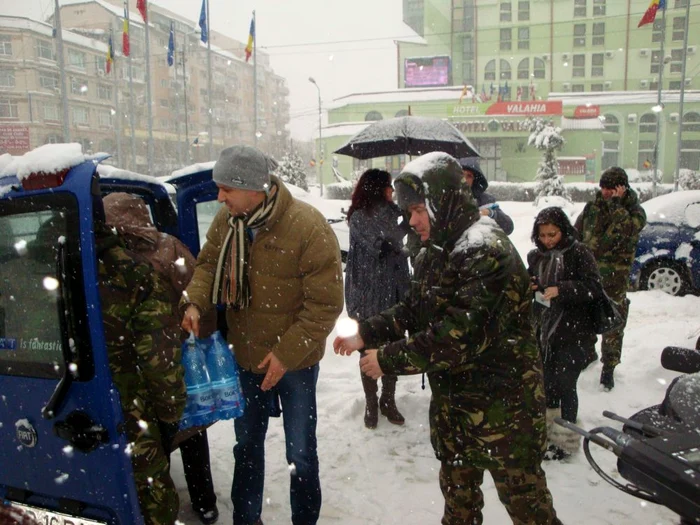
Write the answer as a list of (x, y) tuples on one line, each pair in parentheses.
[(387, 401), (371, 402)]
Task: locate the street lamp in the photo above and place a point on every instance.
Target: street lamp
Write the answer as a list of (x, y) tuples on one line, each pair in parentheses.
[(320, 137)]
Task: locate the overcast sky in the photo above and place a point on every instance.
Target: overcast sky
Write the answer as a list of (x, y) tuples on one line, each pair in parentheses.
[(366, 65)]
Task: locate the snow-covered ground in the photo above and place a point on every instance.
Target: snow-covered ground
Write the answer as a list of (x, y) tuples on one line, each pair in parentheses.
[(390, 476)]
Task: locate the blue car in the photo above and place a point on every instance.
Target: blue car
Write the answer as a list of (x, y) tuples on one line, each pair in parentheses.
[(668, 252)]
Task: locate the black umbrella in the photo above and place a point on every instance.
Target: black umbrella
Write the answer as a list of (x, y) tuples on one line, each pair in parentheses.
[(408, 136)]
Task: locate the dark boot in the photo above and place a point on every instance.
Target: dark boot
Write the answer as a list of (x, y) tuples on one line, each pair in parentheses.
[(371, 401), (387, 402), (591, 357), (607, 379)]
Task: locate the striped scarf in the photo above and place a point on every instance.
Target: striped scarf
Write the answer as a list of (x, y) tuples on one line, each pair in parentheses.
[(231, 285)]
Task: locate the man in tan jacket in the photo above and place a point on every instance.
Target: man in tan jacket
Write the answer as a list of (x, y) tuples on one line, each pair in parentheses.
[(274, 262)]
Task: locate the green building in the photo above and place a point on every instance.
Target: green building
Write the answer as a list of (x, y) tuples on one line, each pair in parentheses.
[(486, 65)]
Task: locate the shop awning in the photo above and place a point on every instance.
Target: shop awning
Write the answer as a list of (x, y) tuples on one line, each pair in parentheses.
[(581, 123)]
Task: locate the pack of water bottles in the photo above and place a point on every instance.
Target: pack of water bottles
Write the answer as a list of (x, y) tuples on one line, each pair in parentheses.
[(213, 387)]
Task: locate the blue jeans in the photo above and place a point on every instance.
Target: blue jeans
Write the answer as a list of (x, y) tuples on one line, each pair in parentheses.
[(297, 393)]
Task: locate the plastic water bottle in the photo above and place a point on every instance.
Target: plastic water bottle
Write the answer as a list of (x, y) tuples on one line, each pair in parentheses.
[(224, 379), (200, 407)]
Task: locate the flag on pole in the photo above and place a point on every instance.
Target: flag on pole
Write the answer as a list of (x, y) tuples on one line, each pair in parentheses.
[(650, 13), (203, 22), (171, 46), (519, 94), (126, 48), (464, 93), (251, 40), (110, 56), (143, 9), (532, 92)]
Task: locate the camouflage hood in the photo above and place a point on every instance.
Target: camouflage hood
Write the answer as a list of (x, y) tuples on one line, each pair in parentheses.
[(436, 179)]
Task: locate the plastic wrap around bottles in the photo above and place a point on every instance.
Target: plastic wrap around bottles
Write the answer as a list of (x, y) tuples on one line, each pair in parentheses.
[(225, 382), (200, 409)]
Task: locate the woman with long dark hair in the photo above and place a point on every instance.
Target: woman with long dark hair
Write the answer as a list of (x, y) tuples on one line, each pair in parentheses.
[(565, 282), (376, 274)]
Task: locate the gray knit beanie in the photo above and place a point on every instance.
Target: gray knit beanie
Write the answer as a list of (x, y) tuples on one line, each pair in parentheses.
[(244, 168)]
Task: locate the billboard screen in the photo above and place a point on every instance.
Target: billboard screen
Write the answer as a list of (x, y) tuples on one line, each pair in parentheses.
[(427, 71)]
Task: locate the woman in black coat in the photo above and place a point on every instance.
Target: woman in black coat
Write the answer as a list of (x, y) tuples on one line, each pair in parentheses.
[(565, 281), (376, 273)]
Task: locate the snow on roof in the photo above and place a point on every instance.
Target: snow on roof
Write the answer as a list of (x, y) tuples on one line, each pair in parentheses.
[(194, 168), (581, 123), (5, 160), (105, 172), (622, 97), (134, 15), (344, 129), (49, 158), (399, 95), (23, 23), (670, 207)]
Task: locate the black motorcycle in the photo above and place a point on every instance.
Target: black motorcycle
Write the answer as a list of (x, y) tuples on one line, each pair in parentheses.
[(658, 448)]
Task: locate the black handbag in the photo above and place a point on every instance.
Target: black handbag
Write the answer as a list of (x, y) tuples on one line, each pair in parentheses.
[(605, 315)]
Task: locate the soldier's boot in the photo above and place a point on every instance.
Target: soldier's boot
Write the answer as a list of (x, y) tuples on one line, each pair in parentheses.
[(387, 401), (371, 402), (607, 378)]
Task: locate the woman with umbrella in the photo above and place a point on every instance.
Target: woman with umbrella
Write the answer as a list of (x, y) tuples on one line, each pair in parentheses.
[(376, 273)]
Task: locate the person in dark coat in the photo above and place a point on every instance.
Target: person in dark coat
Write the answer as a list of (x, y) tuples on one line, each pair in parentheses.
[(376, 274), (488, 206), (565, 281)]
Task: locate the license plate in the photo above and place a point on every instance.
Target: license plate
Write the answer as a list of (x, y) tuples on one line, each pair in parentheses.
[(49, 517)]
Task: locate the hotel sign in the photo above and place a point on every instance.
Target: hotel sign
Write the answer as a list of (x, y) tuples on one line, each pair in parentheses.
[(490, 126), (528, 108)]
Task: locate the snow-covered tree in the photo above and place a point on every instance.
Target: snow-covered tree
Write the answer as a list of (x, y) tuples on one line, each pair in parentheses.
[(689, 179), (291, 170), (546, 138)]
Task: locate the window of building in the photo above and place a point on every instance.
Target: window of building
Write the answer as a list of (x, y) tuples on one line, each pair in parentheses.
[(53, 139), (373, 115), (597, 64), (674, 85), (598, 7), (51, 112), (6, 45), (506, 12), (81, 116), (647, 124), (490, 70), (654, 85), (523, 38), (48, 80), (598, 34), (579, 35), (680, 3), (611, 154), (505, 70), (78, 86), (523, 11), (76, 58), (597, 87), (578, 88), (657, 29), (691, 121), (655, 62), (579, 66), (101, 64), (580, 8), (538, 68), (104, 118), (524, 69), (44, 49), (7, 78), (678, 28), (8, 108), (690, 155), (104, 92), (645, 153), (506, 39), (676, 64), (611, 123)]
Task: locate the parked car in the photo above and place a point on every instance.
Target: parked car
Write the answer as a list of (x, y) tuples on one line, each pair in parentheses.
[(668, 252)]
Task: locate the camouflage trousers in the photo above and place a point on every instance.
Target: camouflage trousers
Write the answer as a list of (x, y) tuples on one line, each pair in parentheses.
[(611, 347), (157, 494), (523, 491)]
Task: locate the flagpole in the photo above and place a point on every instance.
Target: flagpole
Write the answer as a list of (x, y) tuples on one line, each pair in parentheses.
[(188, 158), (177, 120), (62, 69), (211, 95), (679, 145), (255, 81), (659, 114), (131, 97), (149, 110), (117, 111)]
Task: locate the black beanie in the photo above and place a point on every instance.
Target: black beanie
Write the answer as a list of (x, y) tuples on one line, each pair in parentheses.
[(614, 177)]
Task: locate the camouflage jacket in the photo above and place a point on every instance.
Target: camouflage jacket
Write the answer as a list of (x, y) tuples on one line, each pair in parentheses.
[(468, 318), (141, 333), (610, 228)]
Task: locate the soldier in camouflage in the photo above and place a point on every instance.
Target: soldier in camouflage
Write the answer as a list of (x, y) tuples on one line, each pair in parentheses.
[(468, 319), (610, 227), (144, 358)]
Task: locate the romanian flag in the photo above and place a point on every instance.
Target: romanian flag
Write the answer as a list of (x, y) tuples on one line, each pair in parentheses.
[(251, 40), (110, 56), (465, 90), (126, 48), (650, 14), (647, 164), (141, 6)]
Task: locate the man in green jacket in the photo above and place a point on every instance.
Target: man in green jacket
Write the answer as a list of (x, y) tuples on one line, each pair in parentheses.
[(274, 262), (610, 227), (467, 316)]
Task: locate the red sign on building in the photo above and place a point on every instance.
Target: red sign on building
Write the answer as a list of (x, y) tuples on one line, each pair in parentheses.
[(526, 108), (14, 139), (587, 112)]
